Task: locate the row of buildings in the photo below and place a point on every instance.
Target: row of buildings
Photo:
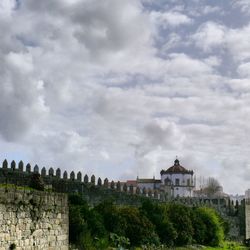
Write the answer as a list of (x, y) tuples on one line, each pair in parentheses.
[(176, 181)]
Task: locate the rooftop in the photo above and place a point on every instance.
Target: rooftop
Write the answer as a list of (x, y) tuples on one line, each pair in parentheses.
[(148, 181), (176, 168)]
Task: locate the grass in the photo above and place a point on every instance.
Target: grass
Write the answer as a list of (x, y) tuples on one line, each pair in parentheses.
[(12, 186), (228, 245)]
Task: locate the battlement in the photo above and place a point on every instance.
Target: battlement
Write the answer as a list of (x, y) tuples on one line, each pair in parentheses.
[(89, 186), (95, 190), (65, 182)]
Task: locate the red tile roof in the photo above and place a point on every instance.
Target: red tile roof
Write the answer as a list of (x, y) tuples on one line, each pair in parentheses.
[(176, 168)]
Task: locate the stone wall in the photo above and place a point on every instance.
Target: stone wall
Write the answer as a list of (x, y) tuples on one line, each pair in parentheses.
[(96, 190), (33, 220), (247, 215)]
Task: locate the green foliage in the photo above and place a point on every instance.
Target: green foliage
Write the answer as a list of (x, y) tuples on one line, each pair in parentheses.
[(214, 233), (36, 182), (76, 199), (112, 219), (179, 225), (138, 227), (95, 224), (199, 227), (77, 224), (85, 241), (150, 225), (101, 243), (119, 241), (85, 225), (127, 222), (158, 216), (179, 215)]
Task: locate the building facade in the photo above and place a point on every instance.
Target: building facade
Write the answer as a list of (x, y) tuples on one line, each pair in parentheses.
[(176, 181)]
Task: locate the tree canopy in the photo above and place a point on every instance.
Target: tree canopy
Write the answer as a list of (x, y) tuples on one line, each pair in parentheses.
[(152, 224)]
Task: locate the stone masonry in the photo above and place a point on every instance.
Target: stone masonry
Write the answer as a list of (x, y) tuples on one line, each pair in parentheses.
[(247, 216), (33, 220)]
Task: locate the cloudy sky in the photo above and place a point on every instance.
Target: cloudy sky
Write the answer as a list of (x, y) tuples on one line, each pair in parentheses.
[(118, 88)]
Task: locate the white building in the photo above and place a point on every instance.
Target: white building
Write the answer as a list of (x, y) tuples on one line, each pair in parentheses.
[(178, 181), (175, 181)]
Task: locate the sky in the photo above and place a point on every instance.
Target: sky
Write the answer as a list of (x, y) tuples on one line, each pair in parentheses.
[(119, 88)]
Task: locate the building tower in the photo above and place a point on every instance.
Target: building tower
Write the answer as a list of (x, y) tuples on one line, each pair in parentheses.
[(177, 181)]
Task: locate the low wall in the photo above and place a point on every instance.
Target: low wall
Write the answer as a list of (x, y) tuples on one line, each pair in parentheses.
[(33, 220)]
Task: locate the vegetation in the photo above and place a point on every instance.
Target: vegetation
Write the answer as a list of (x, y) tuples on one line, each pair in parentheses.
[(212, 187), (152, 226), (36, 182)]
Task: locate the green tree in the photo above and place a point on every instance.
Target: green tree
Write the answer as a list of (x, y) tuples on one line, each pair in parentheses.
[(158, 216), (77, 224), (138, 227), (86, 226), (113, 221), (214, 228), (199, 226), (180, 217)]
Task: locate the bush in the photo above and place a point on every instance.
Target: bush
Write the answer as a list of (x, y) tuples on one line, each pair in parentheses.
[(77, 224), (85, 225), (112, 220), (170, 224), (158, 216), (180, 217), (138, 227), (214, 233)]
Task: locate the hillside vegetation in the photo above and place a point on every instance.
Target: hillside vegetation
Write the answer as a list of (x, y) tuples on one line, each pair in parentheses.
[(151, 226)]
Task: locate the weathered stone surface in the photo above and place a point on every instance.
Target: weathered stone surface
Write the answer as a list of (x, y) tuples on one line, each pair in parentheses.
[(33, 220), (247, 219)]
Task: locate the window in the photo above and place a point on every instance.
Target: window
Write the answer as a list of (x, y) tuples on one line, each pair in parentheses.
[(167, 181), (188, 182), (177, 182)]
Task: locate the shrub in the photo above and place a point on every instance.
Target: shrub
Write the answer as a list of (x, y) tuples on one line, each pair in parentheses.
[(157, 215), (214, 233), (180, 217), (138, 227)]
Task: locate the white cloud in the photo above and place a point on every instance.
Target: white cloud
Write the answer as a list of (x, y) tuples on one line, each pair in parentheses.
[(6, 8), (90, 88), (209, 35), (243, 5), (169, 19), (212, 35), (183, 65), (244, 70), (238, 42), (22, 62), (208, 9)]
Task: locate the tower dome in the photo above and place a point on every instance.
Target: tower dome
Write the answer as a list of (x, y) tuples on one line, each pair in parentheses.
[(176, 168)]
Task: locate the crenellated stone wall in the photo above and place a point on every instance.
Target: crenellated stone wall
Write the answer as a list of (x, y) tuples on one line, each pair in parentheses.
[(33, 220), (93, 188), (96, 190)]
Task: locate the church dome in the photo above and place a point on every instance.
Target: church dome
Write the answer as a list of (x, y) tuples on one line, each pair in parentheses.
[(176, 169)]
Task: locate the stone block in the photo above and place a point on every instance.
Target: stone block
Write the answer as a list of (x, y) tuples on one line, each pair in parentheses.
[(34, 224)]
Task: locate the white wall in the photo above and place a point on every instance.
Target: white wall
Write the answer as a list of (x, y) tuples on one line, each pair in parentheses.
[(146, 185), (182, 189)]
